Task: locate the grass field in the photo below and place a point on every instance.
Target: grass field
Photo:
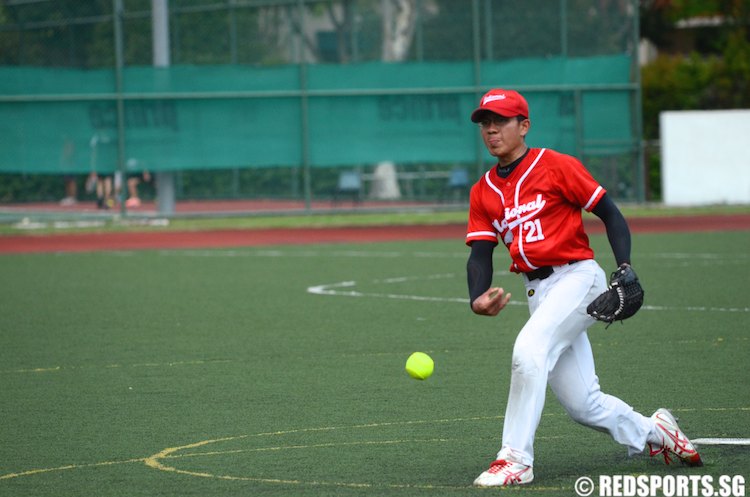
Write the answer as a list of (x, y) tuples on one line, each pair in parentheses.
[(279, 372)]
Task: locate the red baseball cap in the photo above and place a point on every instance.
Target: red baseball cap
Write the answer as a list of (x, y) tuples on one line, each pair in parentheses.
[(507, 103)]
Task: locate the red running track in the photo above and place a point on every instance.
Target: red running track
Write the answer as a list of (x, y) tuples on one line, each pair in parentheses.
[(154, 240)]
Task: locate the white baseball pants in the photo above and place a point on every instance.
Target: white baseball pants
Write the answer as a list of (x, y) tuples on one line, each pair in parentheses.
[(553, 348)]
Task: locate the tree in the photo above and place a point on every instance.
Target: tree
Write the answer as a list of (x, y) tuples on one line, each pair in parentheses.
[(399, 19), (283, 23)]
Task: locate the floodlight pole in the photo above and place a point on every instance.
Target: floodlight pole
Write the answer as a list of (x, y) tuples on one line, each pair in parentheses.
[(165, 180), (120, 104), (304, 110)]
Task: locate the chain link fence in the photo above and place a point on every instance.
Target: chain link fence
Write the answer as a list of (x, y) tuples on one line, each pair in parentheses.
[(279, 99)]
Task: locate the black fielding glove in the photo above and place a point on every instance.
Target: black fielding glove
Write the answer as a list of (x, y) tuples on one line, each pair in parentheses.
[(621, 300)]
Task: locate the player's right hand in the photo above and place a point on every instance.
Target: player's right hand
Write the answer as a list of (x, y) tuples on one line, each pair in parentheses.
[(491, 302)]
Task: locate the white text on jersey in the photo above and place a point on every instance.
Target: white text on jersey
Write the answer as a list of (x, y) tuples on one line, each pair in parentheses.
[(535, 205)]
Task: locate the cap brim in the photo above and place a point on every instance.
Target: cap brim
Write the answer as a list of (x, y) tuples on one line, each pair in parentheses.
[(477, 115)]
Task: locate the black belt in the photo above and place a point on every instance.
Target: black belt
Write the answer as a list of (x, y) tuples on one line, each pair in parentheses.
[(543, 272)]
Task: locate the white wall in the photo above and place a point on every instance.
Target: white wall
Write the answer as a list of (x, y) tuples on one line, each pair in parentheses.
[(705, 157)]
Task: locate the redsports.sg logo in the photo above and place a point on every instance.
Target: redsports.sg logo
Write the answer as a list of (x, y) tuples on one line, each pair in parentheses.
[(666, 486)]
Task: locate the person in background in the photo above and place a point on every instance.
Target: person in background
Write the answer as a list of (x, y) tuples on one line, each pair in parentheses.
[(71, 191), (133, 181), (135, 176), (67, 162), (102, 185)]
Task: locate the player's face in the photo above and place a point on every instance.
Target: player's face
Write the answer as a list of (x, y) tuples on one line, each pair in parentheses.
[(504, 137)]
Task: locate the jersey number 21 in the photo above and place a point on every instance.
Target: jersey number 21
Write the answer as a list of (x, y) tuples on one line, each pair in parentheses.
[(533, 231)]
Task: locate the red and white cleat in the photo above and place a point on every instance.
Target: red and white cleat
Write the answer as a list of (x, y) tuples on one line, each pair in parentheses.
[(504, 473), (674, 440)]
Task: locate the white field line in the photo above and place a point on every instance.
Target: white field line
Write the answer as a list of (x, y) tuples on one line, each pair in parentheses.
[(721, 441), (347, 289), (332, 289), (283, 252)]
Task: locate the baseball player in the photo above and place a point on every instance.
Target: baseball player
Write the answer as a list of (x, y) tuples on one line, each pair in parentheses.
[(531, 201)]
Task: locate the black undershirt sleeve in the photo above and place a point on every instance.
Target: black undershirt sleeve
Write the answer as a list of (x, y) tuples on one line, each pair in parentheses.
[(618, 232), (479, 268)]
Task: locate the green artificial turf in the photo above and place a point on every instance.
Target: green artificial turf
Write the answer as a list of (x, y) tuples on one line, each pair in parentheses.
[(279, 371)]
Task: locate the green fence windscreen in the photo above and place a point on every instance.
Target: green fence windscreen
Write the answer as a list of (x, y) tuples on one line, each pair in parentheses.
[(212, 117)]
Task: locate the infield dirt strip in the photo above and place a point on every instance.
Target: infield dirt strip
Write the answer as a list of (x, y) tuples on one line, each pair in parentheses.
[(152, 240)]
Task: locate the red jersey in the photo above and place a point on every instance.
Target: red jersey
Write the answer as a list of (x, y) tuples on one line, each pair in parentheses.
[(536, 210)]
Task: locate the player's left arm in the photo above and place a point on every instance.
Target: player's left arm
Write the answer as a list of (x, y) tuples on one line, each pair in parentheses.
[(580, 188), (618, 231), (624, 296)]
